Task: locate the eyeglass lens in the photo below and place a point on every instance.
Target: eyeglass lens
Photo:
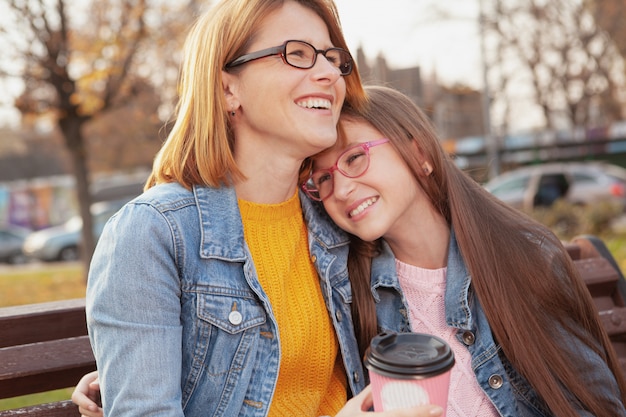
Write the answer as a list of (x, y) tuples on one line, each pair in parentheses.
[(352, 163), (302, 55)]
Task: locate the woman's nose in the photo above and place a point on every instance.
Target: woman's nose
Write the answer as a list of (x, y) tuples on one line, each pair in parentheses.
[(324, 69)]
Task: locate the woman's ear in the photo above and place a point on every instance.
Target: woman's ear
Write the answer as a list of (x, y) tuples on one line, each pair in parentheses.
[(229, 86)]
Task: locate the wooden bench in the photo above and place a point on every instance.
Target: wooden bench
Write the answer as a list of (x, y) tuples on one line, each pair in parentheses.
[(607, 286), (45, 346)]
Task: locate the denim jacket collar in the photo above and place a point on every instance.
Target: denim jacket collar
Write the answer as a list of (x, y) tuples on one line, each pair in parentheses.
[(458, 312), (217, 220), (228, 223), (321, 227), (384, 271)]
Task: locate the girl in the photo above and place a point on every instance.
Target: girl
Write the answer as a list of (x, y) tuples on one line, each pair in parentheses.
[(498, 286)]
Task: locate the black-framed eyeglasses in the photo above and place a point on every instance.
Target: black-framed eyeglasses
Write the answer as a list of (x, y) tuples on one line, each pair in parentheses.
[(300, 54), (352, 163)]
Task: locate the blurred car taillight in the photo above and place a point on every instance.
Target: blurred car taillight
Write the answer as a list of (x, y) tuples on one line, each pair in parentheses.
[(618, 190)]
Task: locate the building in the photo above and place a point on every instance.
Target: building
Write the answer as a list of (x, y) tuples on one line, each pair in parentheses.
[(455, 111)]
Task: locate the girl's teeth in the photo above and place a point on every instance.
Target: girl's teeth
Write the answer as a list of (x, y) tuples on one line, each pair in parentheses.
[(362, 207)]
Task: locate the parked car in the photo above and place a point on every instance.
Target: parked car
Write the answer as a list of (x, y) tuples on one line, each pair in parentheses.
[(579, 183), (11, 241), (118, 188), (62, 243)]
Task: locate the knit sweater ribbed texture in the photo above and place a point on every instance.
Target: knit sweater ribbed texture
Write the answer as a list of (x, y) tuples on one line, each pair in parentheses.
[(424, 290), (311, 380)]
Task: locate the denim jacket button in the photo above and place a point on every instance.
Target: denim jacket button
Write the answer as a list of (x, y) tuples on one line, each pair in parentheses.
[(468, 338), (356, 377), (495, 381), (338, 315), (235, 318)]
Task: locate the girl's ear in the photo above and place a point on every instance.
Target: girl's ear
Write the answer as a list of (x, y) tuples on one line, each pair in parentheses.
[(427, 168)]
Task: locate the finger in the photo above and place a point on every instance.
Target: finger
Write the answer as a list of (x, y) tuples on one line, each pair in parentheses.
[(90, 413), (367, 401), (421, 411)]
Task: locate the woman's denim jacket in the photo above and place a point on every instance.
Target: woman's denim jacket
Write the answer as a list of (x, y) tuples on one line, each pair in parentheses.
[(178, 321), (508, 391)]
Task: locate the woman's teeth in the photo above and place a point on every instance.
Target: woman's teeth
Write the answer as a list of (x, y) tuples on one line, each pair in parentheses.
[(317, 103)]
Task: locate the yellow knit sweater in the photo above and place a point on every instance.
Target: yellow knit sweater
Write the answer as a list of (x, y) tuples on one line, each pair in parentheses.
[(311, 381)]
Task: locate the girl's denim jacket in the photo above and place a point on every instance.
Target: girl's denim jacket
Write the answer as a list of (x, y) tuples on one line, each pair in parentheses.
[(178, 321), (508, 391)]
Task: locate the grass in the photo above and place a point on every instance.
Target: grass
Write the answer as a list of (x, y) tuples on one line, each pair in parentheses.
[(34, 399), (36, 284), (617, 246)]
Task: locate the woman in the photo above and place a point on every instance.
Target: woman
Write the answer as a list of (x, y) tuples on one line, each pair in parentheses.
[(203, 295), (498, 286)]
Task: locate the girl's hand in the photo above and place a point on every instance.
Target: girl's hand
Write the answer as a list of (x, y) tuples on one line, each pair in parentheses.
[(86, 395), (358, 406)]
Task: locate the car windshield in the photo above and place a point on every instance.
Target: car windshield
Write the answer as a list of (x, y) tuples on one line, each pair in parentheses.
[(513, 184), (74, 223), (580, 178)]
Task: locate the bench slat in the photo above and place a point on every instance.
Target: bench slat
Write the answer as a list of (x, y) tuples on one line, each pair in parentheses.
[(41, 322), (44, 366), (58, 409), (614, 321)]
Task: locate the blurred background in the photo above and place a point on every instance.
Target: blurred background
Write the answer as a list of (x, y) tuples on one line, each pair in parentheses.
[(528, 96), (87, 89)]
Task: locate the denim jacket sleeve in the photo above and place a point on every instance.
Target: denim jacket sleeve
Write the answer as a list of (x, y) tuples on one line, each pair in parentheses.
[(134, 324)]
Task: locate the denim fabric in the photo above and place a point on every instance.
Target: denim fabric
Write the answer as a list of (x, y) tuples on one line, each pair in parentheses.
[(510, 392), (178, 321)]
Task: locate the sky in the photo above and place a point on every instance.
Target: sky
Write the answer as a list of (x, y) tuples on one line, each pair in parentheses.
[(441, 37), (407, 32), (435, 35)]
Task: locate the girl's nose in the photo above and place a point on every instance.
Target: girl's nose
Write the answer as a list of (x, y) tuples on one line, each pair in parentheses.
[(342, 186)]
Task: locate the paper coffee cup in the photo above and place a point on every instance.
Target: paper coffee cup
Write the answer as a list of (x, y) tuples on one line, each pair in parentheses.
[(409, 369)]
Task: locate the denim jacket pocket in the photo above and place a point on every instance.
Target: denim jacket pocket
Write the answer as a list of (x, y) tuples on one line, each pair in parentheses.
[(226, 348), (232, 311)]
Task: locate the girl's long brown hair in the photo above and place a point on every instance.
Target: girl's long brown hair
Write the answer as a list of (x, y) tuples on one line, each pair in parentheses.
[(524, 279)]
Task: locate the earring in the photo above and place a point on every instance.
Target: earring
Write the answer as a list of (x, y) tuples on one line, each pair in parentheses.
[(232, 113)]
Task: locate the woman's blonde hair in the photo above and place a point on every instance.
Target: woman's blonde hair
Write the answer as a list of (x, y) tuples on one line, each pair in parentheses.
[(199, 148)]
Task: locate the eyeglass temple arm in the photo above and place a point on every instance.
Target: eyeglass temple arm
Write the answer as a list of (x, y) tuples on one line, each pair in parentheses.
[(255, 55)]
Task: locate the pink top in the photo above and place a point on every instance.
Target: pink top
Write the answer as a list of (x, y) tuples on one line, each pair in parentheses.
[(424, 291)]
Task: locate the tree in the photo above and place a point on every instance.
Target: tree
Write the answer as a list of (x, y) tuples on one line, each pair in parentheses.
[(557, 48), (28, 154), (77, 64), (127, 138), (609, 15)]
